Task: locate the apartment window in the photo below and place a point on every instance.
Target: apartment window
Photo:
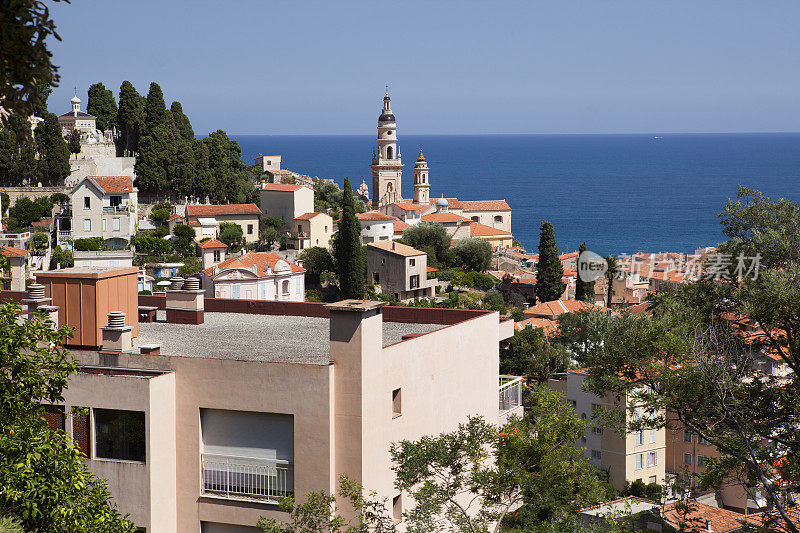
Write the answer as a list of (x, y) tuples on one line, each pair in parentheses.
[(597, 454), (376, 278), (498, 218), (103, 224), (285, 287), (412, 262), (639, 438), (652, 436), (652, 479), (249, 229), (639, 458), (383, 260), (595, 407), (574, 403), (638, 413), (597, 431), (87, 202), (397, 403), (652, 459), (702, 460), (87, 224), (475, 219), (115, 201), (326, 229), (119, 435), (414, 281), (397, 509), (687, 459), (236, 290), (216, 255), (687, 436), (701, 440), (116, 224)]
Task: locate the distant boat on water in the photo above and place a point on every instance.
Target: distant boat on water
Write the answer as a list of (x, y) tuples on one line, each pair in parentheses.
[(658, 137)]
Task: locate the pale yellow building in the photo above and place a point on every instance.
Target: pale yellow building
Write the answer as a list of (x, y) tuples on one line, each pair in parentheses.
[(311, 229), (207, 218)]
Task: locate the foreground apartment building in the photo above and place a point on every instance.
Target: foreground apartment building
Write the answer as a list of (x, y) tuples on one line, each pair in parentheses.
[(202, 420)]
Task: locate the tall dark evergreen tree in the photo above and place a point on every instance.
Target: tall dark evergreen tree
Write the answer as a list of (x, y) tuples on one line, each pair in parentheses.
[(8, 158), (584, 290), (349, 261), (155, 111), (182, 121), (102, 105), (44, 89), (156, 160), (74, 142), (549, 271), (25, 154), (130, 118), (53, 164)]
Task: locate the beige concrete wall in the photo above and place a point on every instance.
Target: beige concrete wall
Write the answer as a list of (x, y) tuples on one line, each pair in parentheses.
[(487, 218), (287, 205), (244, 221)]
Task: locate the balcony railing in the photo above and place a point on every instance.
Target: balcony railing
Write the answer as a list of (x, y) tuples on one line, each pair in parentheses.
[(64, 235), (246, 477), (510, 392), (117, 209)]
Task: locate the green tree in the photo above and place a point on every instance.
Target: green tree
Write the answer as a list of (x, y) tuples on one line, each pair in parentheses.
[(689, 359), (584, 290), (26, 68), (347, 249), (269, 236), (182, 122), (89, 244), (74, 142), (44, 482), (474, 254), (157, 157), (316, 260), (61, 258), (53, 164), (494, 300), (549, 271), (8, 157), (582, 333), (231, 234), (529, 354), (155, 110), (102, 105), (430, 238), (184, 240), (612, 272), (159, 215), (130, 118), (191, 265), (26, 211)]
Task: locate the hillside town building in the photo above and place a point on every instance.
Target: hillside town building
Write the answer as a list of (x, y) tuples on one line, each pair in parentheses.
[(247, 216), (286, 201), (202, 420), (106, 207), (311, 229), (253, 276), (399, 270)]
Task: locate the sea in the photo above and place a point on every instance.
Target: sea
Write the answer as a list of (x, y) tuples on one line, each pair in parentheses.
[(618, 193)]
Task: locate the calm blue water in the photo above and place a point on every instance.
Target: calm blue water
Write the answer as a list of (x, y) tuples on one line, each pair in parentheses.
[(619, 193)]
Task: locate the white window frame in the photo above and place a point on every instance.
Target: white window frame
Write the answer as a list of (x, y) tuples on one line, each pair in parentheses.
[(87, 224)]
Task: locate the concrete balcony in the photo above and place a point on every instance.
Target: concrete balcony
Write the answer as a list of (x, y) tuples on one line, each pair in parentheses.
[(118, 209), (247, 477)]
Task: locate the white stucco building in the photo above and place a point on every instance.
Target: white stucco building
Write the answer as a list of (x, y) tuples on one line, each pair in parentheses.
[(375, 227), (255, 276)]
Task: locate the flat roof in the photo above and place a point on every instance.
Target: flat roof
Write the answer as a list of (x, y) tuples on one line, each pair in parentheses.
[(251, 337), (94, 272)]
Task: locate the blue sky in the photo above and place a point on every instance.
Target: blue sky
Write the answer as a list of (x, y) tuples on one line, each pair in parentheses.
[(561, 66)]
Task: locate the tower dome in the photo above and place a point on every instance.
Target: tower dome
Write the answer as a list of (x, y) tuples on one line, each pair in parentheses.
[(441, 202), (75, 100)]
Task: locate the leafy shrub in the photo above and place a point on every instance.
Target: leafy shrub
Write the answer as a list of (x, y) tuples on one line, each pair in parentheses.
[(89, 244), (313, 295)]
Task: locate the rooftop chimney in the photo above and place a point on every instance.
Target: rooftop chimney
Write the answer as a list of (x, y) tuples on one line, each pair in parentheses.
[(150, 349), (185, 301), (117, 337), (37, 303)]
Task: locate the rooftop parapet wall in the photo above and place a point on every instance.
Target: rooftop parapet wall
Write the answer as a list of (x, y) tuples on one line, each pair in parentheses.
[(411, 315)]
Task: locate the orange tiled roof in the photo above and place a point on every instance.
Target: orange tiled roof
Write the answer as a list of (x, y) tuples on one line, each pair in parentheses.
[(408, 206), (569, 255), (307, 216), (485, 205), (703, 517), (10, 251), (212, 243), (373, 215), (444, 218), (281, 187), (42, 223), (481, 230), (452, 203), (176, 216), (548, 325), (209, 210), (260, 260), (400, 226), (559, 307), (396, 248), (113, 184)]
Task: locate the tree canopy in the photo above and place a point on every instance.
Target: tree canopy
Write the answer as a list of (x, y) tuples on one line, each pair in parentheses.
[(474, 254), (549, 271), (347, 249), (430, 238), (103, 106), (584, 290)]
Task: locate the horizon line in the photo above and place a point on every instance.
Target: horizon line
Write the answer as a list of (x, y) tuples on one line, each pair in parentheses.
[(525, 134)]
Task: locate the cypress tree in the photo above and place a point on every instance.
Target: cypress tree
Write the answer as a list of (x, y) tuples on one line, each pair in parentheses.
[(53, 165), (130, 118), (155, 111), (74, 142), (549, 272), (182, 121), (584, 290), (102, 105), (8, 157), (349, 261)]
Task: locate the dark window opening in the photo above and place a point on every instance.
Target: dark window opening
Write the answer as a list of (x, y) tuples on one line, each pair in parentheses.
[(119, 435), (87, 202), (397, 403)]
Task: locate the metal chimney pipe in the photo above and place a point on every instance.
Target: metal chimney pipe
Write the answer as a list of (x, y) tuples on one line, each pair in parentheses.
[(177, 283), (36, 291), (116, 319), (191, 284)]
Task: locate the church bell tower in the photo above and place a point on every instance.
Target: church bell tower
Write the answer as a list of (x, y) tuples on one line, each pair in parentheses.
[(422, 187), (387, 168)]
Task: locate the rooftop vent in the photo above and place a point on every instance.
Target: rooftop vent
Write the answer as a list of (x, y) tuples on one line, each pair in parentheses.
[(191, 284), (176, 283), (117, 337), (36, 291)]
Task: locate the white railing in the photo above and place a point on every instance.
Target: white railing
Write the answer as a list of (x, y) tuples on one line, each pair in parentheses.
[(64, 235), (117, 209), (246, 477), (510, 392)]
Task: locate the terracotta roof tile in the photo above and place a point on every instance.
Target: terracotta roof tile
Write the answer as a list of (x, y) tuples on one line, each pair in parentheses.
[(482, 230), (212, 243), (408, 206), (221, 209), (452, 203), (176, 216), (10, 251), (373, 215), (548, 325), (307, 216), (559, 307), (281, 187), (400, 226), (396, 248), (485, 205), (444, 218), (260, 260), (113, 184), (703, 517)]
